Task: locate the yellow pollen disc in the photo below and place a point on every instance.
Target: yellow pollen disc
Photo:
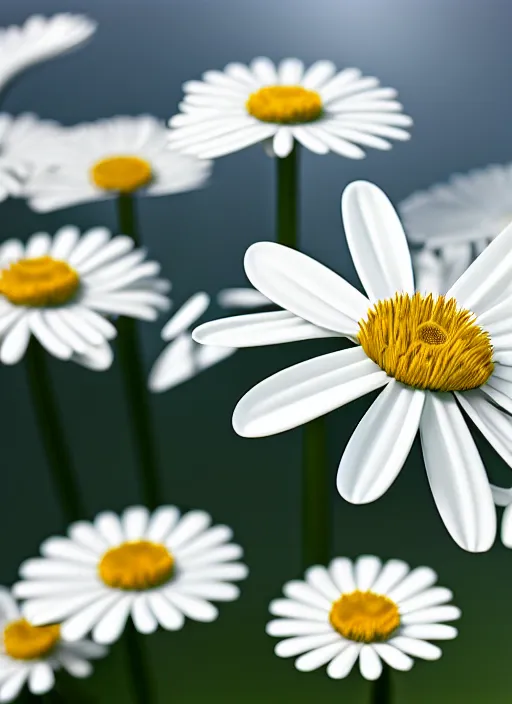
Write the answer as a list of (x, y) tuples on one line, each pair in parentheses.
[(121, 173), (41, 281), (136, 565), (427, 343), (285, 105), (26, 642), (364, 617)]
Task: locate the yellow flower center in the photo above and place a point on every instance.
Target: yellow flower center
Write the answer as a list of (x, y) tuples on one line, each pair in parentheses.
[(365, 617), (427, 343), (136, 565), (41, 281), (285, 104), (121, 173), (26, 642)]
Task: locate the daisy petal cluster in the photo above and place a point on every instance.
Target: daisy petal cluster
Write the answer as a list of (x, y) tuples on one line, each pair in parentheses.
[(183, 358), (155, 568), (318, 107), (435, 357), (30, 655), (473, 207), (38, 39), (23, 150), (106, 158), (364, 611), (61, 289)]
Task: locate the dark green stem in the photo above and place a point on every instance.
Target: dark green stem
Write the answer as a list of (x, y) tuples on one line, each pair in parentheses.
[(315, 495), (52, 433), (288, 199), (134, 378), (138, 666), (381, 688)]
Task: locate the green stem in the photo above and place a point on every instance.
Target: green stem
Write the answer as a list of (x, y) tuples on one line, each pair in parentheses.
[(52, 433), (288, 199), (138, 666), (134, 378), (381, 690), (315, 494)]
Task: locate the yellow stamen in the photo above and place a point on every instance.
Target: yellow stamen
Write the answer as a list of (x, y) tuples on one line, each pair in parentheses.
[(41, 281), (285, 105), (26, 642), (427, 343), (365, 617), (121, 173), (136, 565)]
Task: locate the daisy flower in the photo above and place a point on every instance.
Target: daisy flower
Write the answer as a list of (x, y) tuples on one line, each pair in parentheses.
[(23, 150), (362, 611), (60, 289), (155, 568), (103, 159), (435, 271), (432, 355), (184, 358), (31, 654), (277, 105), (472, 207), (38, 39)]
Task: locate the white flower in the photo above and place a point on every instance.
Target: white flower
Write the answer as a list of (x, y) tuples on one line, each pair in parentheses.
[(473, 207), (39, 39), (184, 358), (435, 271), (23, 141), (503, 497), (364, 611), (99, 160), (31, 654), (61, 288), (156, 568), (430, 353), (323, 110)]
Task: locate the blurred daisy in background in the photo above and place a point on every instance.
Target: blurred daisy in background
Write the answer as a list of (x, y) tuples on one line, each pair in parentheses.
[(156, 568), (61, 289), (112, 157), (23, 150), (428, 353), (503, 497), (318, 107), (366, 611), (32, 654), (470, 208), (38, 39), (184, 358), (435, 271)]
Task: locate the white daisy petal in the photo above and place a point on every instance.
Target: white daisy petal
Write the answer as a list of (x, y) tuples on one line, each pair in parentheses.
[(41, 678), (38, 245), (256, 329), (290, 72), (193, 607), (387, 430), (416, 648), (9, 610), (10, 251), (506, 527), (134, 522), (306, 391), (218, 572), (242, 138), (416, 581), (302, 644), (318, 74), (342, 664), (430, 631), (337, 145), (295, 610), (167, 615), (209, 539), (309, 139), (11, 687), (369, 663), (161, 523), (376, 241), (111, 625), (50, 610), (143, 617), (76, 627), (316, 658), (64, 242), (430, 597), (501, 496), (342, 573), (456, 474), (75, 666), (215, 591), (44, 568), (241, 298), (48, 339), (64, 548), (15, 342), (283, 142), (186, 316), (393, 572), (435, 614), (304, 287), (190, 525), (393, 656), (291, 627), (264, 70), (224, 553), (109, 526), (299, 591), (366, 568), (494, 424), (319, 579)]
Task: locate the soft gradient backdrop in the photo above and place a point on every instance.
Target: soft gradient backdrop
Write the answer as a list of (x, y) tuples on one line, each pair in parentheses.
[(451, 61)]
